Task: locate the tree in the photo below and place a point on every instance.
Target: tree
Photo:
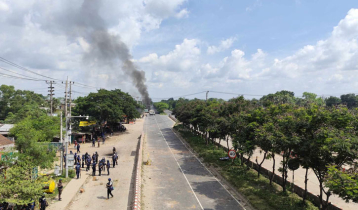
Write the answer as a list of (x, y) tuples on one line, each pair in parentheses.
[(332, 140), (344, 184), (111, 106), (333, 101), (161, 106), (350, 100), (29, 132), (17, 184), (12, 101)]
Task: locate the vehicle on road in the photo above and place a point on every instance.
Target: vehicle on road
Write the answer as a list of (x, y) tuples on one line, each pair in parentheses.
[(145, 110), (151, 112)]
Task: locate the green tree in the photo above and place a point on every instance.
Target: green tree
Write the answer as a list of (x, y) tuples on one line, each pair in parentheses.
[(111, 106), (17, 186), (161, 106), (350, 100), (344, 184), (32, 130), (12, 101), (333, 101)]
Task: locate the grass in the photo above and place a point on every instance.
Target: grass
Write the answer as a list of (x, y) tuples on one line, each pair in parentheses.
[(257, 191)]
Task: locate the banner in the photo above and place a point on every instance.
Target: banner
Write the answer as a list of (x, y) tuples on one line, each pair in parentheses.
[(87, 123)]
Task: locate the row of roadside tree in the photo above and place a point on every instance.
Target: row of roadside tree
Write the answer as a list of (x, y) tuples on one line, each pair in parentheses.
[(303, 130)]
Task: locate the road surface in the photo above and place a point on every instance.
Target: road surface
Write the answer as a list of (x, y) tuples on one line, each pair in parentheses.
[(176, 179)]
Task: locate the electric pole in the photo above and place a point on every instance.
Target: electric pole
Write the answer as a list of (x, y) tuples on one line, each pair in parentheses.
[(66, 138), (70, 96), (61, 139), (51, 93), (207, 93), (66, 97)]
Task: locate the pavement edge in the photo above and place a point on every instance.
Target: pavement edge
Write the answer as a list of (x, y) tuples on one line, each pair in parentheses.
[(138, 176)]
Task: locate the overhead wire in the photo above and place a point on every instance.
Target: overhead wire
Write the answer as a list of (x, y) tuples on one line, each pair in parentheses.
[(23, 68), (16, 77), (182, 95)]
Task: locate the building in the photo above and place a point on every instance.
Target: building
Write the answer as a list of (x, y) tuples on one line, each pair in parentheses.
[(5, 143), (5, 129)]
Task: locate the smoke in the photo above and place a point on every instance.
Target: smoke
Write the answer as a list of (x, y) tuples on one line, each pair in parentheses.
[(105, 48)]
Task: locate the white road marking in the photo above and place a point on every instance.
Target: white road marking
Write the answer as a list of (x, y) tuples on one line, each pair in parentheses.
[(208, 170), (179, 165)]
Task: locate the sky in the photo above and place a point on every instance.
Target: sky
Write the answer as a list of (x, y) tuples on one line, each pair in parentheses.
[(249, 47)]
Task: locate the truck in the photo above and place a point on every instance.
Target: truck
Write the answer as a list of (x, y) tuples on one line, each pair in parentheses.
[(145, 110), (151, 112)]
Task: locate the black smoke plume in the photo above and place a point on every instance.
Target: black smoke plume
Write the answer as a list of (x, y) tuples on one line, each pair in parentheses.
[(105, 48)]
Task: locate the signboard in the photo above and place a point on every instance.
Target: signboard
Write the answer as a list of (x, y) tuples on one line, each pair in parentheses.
[(87, 123), (232, 154), (70, 160)]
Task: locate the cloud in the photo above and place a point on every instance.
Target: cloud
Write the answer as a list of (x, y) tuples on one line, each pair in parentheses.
[(163, 8), (256, 4), (328, 63), (4, 7), (184, 13), (184, 57), (39, 34), (224, 45)]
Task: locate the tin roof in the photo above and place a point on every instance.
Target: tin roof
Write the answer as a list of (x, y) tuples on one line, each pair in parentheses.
[(5, 141), (6, 127)]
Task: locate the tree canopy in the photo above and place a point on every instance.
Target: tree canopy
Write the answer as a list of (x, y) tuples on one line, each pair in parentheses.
[(107, 105)]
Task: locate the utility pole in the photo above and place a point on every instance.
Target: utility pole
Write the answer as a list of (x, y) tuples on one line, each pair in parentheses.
[(66, 139), (70, 95), (51, 93), (61, 138), (66, 97), (207, 93)]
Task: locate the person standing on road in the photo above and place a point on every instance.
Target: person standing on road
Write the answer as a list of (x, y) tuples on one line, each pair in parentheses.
[(88, 163), (109, 188), (114, 160), (108, 165), (78, 148), (100, 167), (78, 170), (94, 168), (93, 142), (75, 157), (97, 157), (98, 142), (59, 187)]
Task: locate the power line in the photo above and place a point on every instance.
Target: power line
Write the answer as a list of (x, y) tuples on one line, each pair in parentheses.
[(182, 95), (4, 69), (238, 94), (23, 68), (16, 77)]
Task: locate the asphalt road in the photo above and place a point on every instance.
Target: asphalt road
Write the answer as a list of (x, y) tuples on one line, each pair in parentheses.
[(176, 179)]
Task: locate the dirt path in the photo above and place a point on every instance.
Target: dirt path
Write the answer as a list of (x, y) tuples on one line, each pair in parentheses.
[(95, 193)]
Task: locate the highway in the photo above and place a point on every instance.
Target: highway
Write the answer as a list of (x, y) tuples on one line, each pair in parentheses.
[(176, 179)]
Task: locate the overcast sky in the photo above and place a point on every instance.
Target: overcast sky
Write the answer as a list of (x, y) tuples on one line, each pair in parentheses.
[(250, 47)]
